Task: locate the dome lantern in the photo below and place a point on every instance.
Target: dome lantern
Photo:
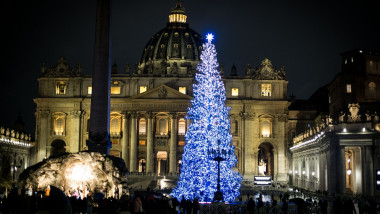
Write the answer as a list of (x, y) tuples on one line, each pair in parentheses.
[(177, 14)]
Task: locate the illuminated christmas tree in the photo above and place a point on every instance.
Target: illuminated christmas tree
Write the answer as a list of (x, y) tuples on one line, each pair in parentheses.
[(208, 137)]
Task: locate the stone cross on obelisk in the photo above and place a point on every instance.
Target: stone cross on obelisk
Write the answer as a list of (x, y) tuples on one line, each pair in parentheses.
[(99, 137)]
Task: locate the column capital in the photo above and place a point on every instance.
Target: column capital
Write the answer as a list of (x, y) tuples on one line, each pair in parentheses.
[(173, 115), (45, 113), (76, 114), (124, 114), (150, 114), (133, 114), (247, 115)]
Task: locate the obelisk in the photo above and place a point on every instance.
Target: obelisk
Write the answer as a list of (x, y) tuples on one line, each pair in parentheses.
[(99, 137)]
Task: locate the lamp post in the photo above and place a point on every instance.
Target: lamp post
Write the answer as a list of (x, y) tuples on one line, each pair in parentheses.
[(218, 195), (216, 155)]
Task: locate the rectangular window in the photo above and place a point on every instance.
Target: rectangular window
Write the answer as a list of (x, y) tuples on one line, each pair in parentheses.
[(181, 127), (60, 87), (181, 143), (182, 90), (115, 90), (89, 90), (348, 88), (143, 89), (142, 142), (235, 92), (266, 90)]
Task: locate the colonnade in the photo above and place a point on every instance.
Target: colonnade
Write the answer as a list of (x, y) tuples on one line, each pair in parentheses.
[(130, 136)]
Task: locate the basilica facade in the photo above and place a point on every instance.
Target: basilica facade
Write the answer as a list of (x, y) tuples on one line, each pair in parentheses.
[(149, 102)]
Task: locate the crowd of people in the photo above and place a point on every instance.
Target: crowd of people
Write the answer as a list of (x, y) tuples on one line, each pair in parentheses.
[(146, 202)]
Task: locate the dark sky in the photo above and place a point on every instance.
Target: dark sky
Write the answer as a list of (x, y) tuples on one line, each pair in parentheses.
[(306, 37)]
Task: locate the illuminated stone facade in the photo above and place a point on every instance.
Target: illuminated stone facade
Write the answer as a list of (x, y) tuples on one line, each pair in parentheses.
[(339, 151), (149, 102), (15, 152)]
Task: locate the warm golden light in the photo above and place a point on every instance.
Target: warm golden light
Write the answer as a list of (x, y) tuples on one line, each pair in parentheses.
[(265, 128), (79, 173), (348, 88), (175, 18), (181, 126), (89, 90), (182, 90), (115, 90), (266, 90), (143, 89), (235, 92), (60, 87), (59, 125)]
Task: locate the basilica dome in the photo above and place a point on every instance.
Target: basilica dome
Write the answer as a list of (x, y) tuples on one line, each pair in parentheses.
[(174, 50)]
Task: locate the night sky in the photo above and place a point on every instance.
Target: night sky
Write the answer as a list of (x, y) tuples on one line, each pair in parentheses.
[(307, 37)]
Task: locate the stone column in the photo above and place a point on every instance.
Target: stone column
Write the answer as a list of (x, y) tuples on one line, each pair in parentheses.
[(248, 144), (43, 135), (275, 164), (75, 136), (133, 150), (368, 179), (255, 161), (124, 138), (173, 144), (341, 170), (149, 147)]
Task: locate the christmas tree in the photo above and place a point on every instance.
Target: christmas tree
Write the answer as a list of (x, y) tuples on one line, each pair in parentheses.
[(208, 137)]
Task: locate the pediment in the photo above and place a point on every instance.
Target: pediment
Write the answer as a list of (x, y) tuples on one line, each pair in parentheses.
[(62, 69), (162, 92)]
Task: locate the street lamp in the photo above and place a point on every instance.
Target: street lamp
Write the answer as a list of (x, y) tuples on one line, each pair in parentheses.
[(216, 155)]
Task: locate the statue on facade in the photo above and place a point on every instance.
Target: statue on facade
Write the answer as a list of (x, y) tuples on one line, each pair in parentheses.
[(341, 117), (127, 68), (43, 68), (79, 68), (174, 69), (163, 67), (136, 69), (221, 68), (248, 70), (262, 167)]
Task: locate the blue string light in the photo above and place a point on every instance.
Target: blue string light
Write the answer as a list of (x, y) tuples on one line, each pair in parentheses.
[(208, 136)]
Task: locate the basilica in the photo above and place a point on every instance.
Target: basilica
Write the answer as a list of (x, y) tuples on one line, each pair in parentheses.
[(149, 102)]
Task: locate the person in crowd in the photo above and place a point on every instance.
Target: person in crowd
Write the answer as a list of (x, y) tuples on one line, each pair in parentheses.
[(251, 205)]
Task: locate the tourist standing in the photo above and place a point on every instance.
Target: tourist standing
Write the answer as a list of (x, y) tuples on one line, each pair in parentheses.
[(251, 206)]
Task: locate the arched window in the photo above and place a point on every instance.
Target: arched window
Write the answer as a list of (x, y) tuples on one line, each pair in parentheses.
[(181, 126), (59, 124), (162, 127), (142, 126), (266, 128), (115, 125)]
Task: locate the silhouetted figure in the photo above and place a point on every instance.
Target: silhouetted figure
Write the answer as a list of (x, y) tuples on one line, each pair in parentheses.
[(338, 206), (251, 206), (260, 204), (189, 206), (349, 206), (196, 206), (284, 207), (182, 206)]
